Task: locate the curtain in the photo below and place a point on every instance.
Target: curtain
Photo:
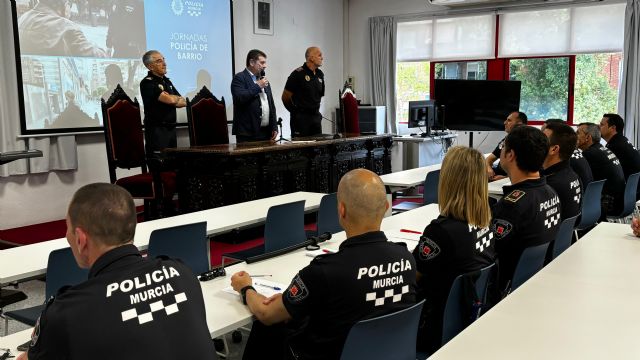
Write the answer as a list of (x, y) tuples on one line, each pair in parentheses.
[(59, 152), (383, 67), (628, 102)]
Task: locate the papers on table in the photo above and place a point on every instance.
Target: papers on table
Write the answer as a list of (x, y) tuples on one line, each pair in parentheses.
[(264, 287), (314, 253), (409, 236)]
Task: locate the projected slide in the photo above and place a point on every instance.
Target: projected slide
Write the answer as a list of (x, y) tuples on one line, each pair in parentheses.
[(74, 53)]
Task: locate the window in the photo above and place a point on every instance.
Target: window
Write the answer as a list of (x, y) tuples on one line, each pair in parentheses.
[(412, 83), (545, 86), (464, 70), (596, 86)]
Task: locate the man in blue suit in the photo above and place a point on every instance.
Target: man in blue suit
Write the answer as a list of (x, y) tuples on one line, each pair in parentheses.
[(254, 112)]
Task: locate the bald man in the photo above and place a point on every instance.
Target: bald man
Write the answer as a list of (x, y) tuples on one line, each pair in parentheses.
[(336, 290), (302, 94)]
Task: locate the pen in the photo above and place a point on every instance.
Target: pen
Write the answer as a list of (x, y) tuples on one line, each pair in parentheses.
[(327, 251), (411, 231), (269, 286)]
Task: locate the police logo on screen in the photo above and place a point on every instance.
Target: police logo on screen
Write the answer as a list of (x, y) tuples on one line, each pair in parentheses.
[(297, 291), (427, 248), (177, 6), (501, 227)]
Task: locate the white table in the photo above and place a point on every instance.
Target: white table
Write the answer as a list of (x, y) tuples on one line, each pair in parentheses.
[(225, 312), (29, 261), (584, 305), (495, 187), (408, 178)]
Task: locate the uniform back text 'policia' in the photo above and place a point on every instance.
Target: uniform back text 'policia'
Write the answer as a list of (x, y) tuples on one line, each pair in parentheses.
[(148, 279), (381, 270)]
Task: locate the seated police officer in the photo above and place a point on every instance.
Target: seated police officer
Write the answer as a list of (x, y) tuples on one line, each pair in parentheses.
[(369, 276), (556, 169), (605, 166), (612, 128), (130, 307), (514, 119), (578, 163), (457, 242), (529, 212)]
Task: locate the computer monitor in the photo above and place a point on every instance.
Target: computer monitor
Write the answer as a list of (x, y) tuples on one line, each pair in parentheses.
[(421, 114)]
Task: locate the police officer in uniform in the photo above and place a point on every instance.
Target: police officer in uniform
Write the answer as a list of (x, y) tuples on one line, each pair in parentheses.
[(302, 94), (337, 290), (529, 212), (611, 128), (578, 163), (556, 169), (457, 242), (130, 307), (160, 99), (515, 118), (605, 166)]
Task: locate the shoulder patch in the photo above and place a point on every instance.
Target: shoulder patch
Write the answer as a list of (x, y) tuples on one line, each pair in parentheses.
[(515, 195), (577, 154), (501, 227), (297, 291), (148, 78), (427, 248), (36, 333), (299, 69)]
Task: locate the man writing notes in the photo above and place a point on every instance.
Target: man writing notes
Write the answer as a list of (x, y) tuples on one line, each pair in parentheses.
[(336, 290), (302, 94), (254, 112)]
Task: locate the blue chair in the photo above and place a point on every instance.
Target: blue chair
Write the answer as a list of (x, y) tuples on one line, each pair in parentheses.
[(563, 237), (327, 220), (391, 336), (284, 228), (188, 243), (531, 261), (429, 193), (455, 311), (630, 190), (62, 270), (590, 207)]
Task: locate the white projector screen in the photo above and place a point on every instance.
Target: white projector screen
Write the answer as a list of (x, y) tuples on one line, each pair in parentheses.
[(72, 53)]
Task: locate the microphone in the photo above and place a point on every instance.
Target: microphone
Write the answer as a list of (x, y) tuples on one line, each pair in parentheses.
[(262, 74), (279, 122)]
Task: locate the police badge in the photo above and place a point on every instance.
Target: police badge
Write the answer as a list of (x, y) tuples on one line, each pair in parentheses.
[(161, 87), (306, 77)]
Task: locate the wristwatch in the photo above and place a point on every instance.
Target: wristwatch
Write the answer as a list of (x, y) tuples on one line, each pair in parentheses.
[(243, 293)]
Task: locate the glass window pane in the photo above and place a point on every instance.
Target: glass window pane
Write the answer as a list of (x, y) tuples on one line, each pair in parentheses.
[(596, 86), (462, 70), (412, 83), (545, 86)]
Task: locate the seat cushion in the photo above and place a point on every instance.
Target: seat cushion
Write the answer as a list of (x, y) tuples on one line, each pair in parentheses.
[(140, 186)]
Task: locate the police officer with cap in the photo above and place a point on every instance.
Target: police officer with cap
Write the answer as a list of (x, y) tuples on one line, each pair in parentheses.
[(130, 307), (160, 99), (302, 94), (529, 212), (337, 290)]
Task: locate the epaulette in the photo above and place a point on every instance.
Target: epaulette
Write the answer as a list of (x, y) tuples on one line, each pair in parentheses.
[(299, 69), (148, 78), (515, 195)]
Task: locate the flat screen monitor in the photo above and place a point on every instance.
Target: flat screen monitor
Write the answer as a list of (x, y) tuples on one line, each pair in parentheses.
[(421, 114), (476, 105)]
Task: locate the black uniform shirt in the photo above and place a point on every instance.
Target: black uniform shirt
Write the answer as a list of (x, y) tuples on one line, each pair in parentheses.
[(581, 167), (307, 89), (606, 166), (527, 215), (129, 308), (156, 112), (368, 277), (567, 185), (625, 152), (448, 248), (496, 152)]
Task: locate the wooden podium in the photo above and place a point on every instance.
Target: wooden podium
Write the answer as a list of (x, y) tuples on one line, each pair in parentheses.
[(218, 175)]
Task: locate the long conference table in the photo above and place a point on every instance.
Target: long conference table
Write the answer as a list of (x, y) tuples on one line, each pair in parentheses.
[(225, 312), (583, 305), (30, 261)]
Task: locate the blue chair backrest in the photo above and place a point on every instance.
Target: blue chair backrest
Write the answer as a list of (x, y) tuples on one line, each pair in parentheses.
[(188, 243), (630, 195), (458, 307), (591, 204), (391, 336), (284, 226), (564, 236), (328, 215), (531, 261), (430, 190), (63, 270)]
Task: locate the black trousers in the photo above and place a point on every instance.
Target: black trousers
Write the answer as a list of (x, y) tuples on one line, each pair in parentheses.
[(158, 138)]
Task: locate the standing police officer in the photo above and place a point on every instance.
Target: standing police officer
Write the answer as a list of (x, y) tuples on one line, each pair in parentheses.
[(130, 307), (160, 99), (529, 213), (369, 276), (302, 94)]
